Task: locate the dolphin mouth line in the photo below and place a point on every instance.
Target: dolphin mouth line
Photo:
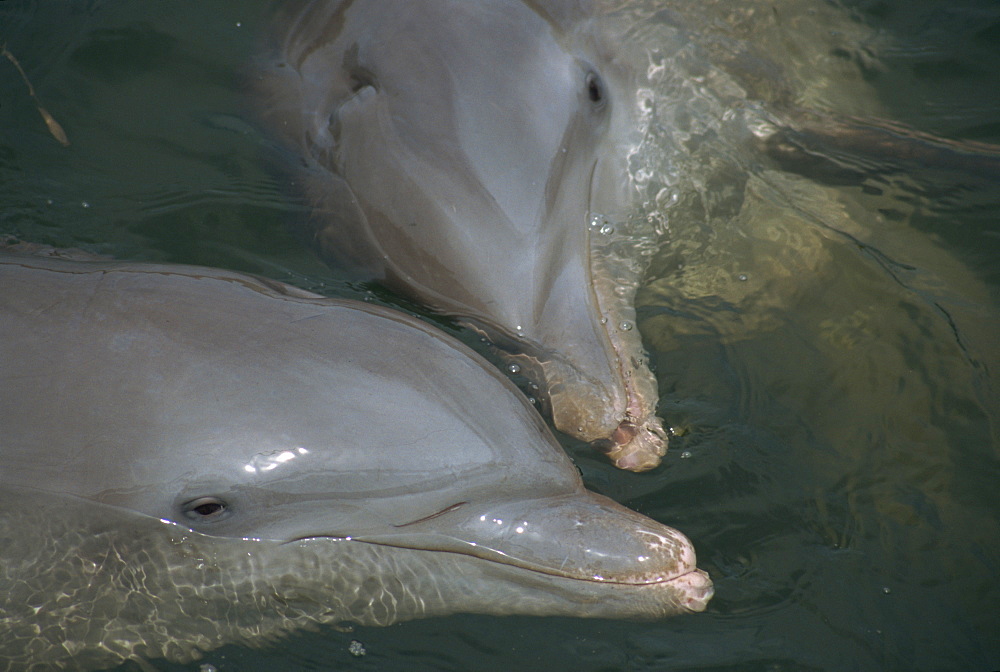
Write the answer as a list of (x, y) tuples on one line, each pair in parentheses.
[(628, 427), (639, 440), (501, 558)]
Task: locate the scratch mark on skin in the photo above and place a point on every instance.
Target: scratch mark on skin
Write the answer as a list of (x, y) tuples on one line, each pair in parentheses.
[(309, 317), (447, 509)]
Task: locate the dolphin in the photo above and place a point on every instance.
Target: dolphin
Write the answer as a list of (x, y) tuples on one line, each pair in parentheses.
[(475, 156), (192, 457)]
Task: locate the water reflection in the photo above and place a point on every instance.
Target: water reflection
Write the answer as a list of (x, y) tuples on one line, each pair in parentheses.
[(270, 461)]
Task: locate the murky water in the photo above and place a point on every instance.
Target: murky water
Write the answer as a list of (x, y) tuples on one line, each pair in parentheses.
[(826, 341)]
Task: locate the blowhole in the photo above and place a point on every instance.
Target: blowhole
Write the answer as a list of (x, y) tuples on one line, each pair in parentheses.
[(595, 88)]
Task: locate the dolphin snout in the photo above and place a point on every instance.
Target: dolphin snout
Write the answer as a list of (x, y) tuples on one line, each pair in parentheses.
[(694, 589), (587, 537), (613, 409), (580, 535)]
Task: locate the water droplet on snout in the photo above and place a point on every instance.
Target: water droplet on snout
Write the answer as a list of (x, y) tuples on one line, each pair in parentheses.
[(597, 220), (514, 368), (625, 325)]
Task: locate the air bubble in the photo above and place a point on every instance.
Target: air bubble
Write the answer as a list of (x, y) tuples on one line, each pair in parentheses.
[(514, 368), (742, 277), (686, 454), (607, 229), (625, 325)]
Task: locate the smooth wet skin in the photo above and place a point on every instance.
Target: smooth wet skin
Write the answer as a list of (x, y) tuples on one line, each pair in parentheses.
[(180, 441), (469, 154)]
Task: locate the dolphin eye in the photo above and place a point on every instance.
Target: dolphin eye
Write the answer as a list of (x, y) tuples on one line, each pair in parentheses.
[(205, 508), (595, 88)]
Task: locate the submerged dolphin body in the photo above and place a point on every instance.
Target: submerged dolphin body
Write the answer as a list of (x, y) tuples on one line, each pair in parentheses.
[(473, 155), (193, 457)]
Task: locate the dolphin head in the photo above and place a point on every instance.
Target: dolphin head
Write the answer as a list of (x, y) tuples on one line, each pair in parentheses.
[(407, 441), (475, 155), (321, 439)]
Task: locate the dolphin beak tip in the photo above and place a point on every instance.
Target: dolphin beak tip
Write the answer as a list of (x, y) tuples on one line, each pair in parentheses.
[(696, 588), (636, 447)]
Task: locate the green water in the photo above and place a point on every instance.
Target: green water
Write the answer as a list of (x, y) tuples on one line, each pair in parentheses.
[(831, 351)]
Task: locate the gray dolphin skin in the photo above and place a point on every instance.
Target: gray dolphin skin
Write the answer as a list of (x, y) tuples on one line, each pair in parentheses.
[(193, 457), (470, 154)]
